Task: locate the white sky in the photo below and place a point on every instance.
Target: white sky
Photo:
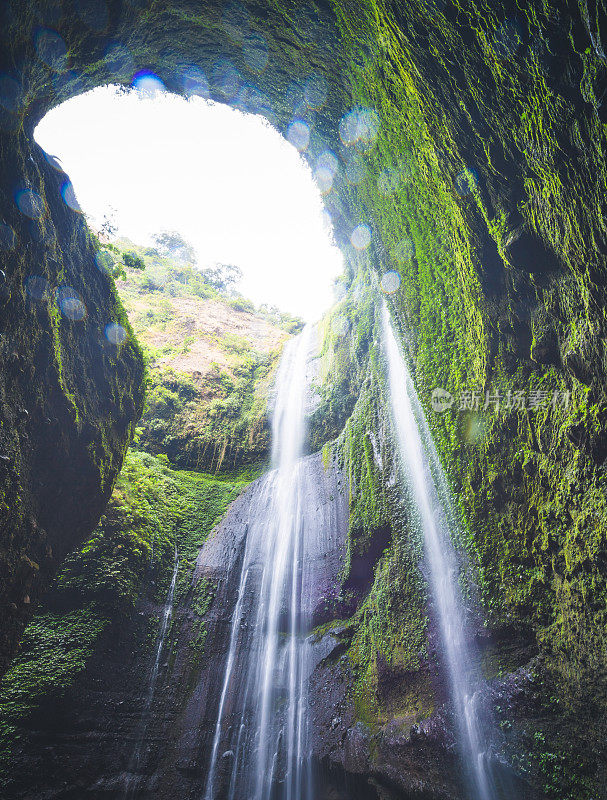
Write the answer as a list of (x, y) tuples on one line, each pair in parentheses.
[(228, 182)]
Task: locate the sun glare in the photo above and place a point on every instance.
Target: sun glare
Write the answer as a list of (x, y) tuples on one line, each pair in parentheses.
[(227, 181)]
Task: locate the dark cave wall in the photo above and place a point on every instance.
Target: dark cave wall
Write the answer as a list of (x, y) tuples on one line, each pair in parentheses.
[(68, 397)]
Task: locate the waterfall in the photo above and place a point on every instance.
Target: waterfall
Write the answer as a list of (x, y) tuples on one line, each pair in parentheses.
[(431, 503), (260, 741), (132, 780)]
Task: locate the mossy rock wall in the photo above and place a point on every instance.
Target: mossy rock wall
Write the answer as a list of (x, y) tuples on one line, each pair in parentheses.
[(100, 623), (69, 398)]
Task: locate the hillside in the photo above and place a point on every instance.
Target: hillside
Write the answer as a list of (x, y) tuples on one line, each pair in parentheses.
[(211, 356)]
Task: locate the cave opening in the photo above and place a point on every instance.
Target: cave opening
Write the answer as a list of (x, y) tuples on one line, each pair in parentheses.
[(246, 209)]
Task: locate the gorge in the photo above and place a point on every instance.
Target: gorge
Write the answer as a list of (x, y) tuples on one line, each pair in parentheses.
[(396, 589)]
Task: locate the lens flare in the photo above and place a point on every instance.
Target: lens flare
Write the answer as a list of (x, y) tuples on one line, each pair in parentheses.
[(348, 128), (359, 128), (306, 21), (39, 232), (29, 203), (236, 21), (294, 97), (255, 52), (68, 82), (298, 134), (104, 261), (195, 83), (327, 220), (70, 303), (507, 39), (54, 162), (328, 161), (324, 179), (69, 197), (368, 129), (51, 49), (262, 105), (37, 287), (248, 99), (8, 239), (355, 171), (404, 251), (115, 334), (119, 60), (361, 237), (148, 84), (390, 282), (406, 170), (10, 93), (466, 182), (341, 325), (475, 429)]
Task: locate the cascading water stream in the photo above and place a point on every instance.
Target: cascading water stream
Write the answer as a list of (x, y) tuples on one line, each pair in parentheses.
[(266, 753), (431, 503), (132, 780)]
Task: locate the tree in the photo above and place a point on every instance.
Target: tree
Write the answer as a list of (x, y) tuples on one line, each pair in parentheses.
[(111, 260), (108, 228), (172, 243), (222, 277), (133, 261)]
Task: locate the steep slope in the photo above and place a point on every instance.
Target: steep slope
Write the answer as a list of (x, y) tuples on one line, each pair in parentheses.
[(69, 396), (211, 359), (95, 637)]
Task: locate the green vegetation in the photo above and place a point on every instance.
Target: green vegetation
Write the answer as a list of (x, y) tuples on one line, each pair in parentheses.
[(129, 556), (387, 633), (483, 190), (115, 262), (211, 357)]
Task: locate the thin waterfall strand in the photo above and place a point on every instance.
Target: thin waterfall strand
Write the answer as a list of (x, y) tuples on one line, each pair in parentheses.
[(132, 780), (431, 498)]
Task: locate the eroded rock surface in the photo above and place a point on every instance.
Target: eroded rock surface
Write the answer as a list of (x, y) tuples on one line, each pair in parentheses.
[(69, 397)]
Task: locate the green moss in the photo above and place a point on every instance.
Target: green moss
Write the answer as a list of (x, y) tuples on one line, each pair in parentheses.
[(203, 597), (497, 231), (213, 416), (130, 555), (388, 631), (54, 650)]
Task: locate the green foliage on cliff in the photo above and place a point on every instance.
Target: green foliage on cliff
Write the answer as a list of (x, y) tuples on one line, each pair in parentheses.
[(153, 510), (388, 629), (542, 559), (211, 359), (484, 192), (223, 424)]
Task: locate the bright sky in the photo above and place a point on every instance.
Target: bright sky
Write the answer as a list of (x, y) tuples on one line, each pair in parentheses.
[(228, 182)]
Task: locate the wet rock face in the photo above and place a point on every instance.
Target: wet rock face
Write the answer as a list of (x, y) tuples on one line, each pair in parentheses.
[(69, 396), (400, 755), (82, 742)]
